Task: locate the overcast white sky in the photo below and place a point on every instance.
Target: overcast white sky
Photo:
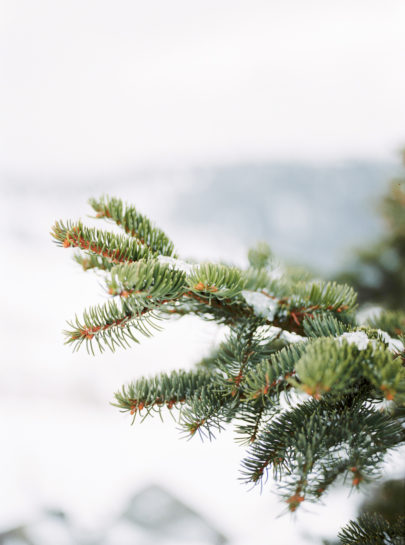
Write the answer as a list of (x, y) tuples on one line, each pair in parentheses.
[(89, 85)]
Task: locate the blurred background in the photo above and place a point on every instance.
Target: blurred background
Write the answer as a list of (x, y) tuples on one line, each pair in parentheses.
[(227, 123)]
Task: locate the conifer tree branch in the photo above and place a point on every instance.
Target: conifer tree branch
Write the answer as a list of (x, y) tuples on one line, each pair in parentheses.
[(252, 415), (373, 529), (299, 378), (270, 377), (134, 224), (115, 248), (93, 261), (303, 441), (207, 412), (168, 390), (393, 322), (112, 324)]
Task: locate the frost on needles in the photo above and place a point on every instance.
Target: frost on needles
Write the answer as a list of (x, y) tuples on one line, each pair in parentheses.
[(314, 396)]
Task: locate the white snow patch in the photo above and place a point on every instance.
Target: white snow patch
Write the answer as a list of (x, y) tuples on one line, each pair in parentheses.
[(272, 333), (359, 338), (262, 304), (292, 337), (177, 264), (395, 345)]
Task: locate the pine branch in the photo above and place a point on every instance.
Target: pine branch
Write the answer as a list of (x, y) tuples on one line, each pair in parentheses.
[(207, 412), (134, 224), (331, 296), (115, 248), (93, 261), (168, 390), (288, 339), (312, 437), (327, 366), (270, 377), (338, 367), (260, 256), (386, 373), (209, 290), (324, 325), (328, 474), (393, 322), (113, 324), (150, 279), (261, 279), (217, 281), (373, 529), (253, 415), (288, 305), (203, 407), (242, 351)]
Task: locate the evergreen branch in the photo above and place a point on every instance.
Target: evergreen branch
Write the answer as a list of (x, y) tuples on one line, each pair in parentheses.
[(112, 324), (328, 474), (220, 296), (310, 438), (242, 351), (149, 278), (169, 390), (339, 367), (373, 529), (323, 325), (260, 279), (328, 296), (134, 224), (270, 377), (93, 261), (253, 415), (393, 322), (328, 366), (210, 280), (338, 433), (260, 256), (208, 307), (288, 305), (115, 248), (386, 373), (207, 411)]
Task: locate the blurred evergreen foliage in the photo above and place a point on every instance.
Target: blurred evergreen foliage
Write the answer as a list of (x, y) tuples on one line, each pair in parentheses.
[(378, 275), (378, 272)]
